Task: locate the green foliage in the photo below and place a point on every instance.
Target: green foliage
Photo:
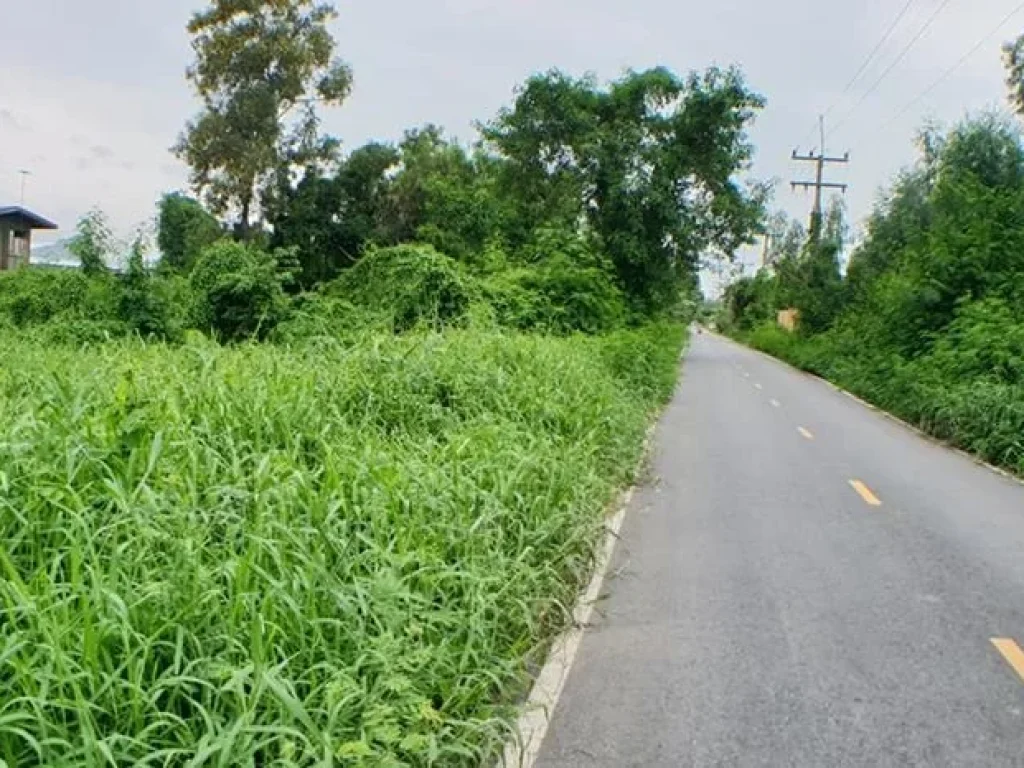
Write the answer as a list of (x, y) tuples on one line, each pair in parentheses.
[(565, 287), (649, 163), (143, 307), (645, 170), (259, 63), (93, 243), (184, 229), (930, 326), (330, 221), (984, 341), (411, 284), (239, 291), (317, 316), (30, 297), (258, 555), (441, 196)]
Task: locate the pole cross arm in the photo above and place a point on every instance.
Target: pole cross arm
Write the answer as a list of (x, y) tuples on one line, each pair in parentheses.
[(822, 184)]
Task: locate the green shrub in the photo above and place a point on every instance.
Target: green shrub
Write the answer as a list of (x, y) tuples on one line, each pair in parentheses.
[(564, 286), (985, 340), (411, 284), (238, 291), (317, 316), (34, 296), (184, 230), (557, 297)]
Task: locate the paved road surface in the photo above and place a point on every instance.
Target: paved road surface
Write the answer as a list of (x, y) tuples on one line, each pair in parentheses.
[(764, 613)]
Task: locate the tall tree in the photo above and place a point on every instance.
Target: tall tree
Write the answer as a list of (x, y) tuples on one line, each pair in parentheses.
[(184, 229), (648, 165), (330, 220), (261, 67)]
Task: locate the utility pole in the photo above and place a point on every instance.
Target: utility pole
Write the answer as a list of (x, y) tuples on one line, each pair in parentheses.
[(24, 177), (820, 160)]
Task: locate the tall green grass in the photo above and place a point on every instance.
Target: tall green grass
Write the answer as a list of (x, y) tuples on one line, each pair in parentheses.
[(332, 554)]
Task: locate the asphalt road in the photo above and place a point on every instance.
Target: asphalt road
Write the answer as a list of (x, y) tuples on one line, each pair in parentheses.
[(763, 612)]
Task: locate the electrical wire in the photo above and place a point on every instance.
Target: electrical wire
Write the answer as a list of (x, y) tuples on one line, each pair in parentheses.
[(864, 65), (943, 77), (871, 56), (902, 55)]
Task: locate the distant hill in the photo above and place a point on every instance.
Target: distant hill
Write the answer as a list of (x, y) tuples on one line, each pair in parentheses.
[(57, 255), (54, 255)]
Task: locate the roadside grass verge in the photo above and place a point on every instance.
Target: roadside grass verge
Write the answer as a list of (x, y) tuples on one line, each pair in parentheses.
[(335, 553), (981, 413)]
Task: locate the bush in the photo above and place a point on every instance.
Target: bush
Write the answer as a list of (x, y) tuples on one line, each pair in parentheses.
[(985, 340), (557, 297), (411, 284), (184, 230), (238, 291), (34, 296), (316, 316), (564, 287)]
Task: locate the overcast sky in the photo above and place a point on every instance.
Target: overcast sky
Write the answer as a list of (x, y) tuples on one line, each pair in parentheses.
[(93, 91)]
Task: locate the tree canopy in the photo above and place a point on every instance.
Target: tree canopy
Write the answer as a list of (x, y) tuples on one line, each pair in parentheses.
[(261, 68)]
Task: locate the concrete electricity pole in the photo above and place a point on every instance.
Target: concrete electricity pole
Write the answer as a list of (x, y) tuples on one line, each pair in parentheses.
[(819, 183), (24, 178)]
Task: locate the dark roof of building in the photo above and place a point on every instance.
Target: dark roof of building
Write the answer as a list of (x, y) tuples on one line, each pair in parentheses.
[(25, 217)]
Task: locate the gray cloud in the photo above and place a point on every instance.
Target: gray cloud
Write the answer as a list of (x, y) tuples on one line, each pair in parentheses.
[(12, 122), (100, 152)]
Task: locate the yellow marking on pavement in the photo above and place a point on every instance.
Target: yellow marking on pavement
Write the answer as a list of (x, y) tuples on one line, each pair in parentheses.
[(776, 404), (805, 432), (865, 493), (1011, 652)]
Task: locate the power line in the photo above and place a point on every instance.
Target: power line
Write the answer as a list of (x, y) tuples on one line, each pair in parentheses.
[(902, 55), (871, 56), (963, 59), (864, 65)]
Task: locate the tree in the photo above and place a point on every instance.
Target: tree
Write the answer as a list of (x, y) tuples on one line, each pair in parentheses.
[(258, 63), (428, 189), (648, 165), (441, 195), (330, 221), (93, 243), (142, 308), (1013, 61), (184, 229)]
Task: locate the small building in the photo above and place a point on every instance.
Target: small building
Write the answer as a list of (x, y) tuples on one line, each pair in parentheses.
[(16, 225), (789, 319)]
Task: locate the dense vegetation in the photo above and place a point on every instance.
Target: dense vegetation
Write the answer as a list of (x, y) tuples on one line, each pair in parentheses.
[(316, 480), (928, 321), (261, 555)]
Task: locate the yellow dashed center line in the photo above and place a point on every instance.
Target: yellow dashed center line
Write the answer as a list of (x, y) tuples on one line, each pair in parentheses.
[(805, 432), (865, 493), (1011, 652)]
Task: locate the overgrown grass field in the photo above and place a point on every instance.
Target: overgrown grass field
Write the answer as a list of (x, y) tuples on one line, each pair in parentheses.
[(329, 554)]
